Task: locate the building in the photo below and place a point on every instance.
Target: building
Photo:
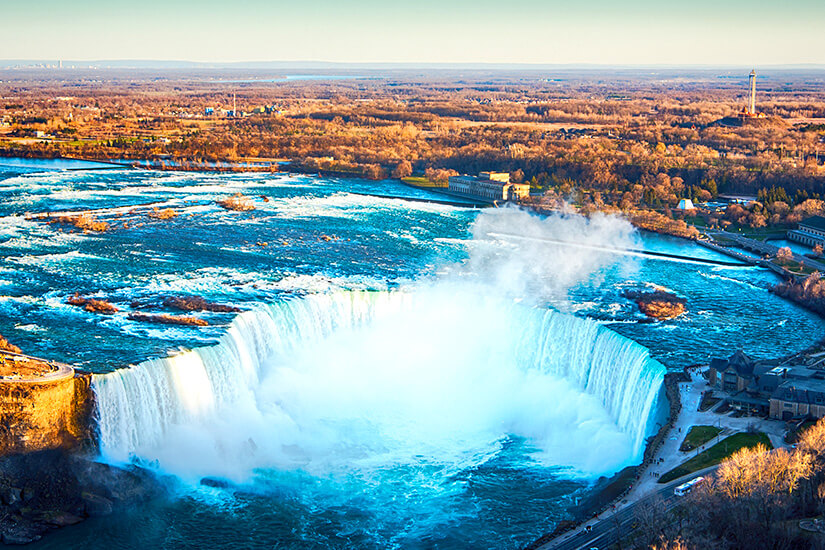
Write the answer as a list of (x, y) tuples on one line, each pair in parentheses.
[(733, 374), (685, 204), (492, 186), (810, 232), (799, 398), (783, 392), (744, 200)]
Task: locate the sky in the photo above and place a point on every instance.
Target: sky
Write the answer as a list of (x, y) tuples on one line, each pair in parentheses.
[(631, 32)]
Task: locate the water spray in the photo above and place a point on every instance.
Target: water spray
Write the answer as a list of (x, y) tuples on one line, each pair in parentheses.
[(663, 256)]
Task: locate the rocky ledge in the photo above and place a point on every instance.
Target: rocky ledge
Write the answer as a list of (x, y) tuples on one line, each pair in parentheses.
[(45, 490), (658, 304)]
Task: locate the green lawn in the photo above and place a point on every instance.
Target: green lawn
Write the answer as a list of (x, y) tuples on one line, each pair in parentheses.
[(722, 239), (698, 221), (697, 436), (793, 267), (422, 182), (764, 233), (760, 233), (717, 454)]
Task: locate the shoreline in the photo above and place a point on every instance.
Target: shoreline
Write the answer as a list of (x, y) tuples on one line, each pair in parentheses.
[(611, 490)]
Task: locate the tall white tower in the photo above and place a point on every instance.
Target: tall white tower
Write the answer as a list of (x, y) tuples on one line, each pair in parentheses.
[(752, 86)]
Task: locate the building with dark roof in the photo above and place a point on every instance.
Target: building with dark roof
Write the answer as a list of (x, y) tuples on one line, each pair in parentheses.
[(732, 374), (799, 398), (810, 232), (783, 392)]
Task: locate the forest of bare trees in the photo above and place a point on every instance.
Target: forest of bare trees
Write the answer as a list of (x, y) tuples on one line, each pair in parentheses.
[(626, 143), (756, 499)]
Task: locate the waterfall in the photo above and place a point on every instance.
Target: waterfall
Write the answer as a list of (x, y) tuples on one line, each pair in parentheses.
[(377, 378)]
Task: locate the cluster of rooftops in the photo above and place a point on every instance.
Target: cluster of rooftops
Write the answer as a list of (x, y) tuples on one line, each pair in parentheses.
[(783, 391)]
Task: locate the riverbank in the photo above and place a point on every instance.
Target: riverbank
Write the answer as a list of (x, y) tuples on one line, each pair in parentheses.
[(48, 490), (666, 455), (608, 492)]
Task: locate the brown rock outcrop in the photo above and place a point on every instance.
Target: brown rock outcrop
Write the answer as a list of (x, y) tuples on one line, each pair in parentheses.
[(237, 202), (46, 490), (92, 305), (166, 319), (5, 345), (658, 304), (184, 303)]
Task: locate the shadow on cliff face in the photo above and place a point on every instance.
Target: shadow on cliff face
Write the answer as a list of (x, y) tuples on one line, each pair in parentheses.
[(46, 490)]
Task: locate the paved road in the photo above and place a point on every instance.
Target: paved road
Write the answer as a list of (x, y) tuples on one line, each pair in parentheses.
[(609, 530)]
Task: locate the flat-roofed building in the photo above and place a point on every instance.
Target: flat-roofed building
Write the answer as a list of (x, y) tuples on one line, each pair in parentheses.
[(495, 176), (809, 232), (492, 186)]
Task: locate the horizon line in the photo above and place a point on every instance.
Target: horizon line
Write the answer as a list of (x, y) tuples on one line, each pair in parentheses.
[(248, 64)]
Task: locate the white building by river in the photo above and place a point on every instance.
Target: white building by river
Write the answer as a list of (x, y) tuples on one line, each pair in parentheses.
[(492, 186), (810, 232)]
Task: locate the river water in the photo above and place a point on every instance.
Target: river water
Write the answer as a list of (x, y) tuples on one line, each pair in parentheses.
[(404, 374)]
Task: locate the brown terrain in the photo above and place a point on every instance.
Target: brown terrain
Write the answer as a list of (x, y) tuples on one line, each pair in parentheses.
[(658, 304), (635, 143)]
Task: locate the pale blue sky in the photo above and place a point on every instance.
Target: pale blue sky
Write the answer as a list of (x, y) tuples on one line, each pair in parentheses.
[(759, 32)]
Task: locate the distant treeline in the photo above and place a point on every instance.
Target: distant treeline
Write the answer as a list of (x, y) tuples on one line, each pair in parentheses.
[(636, 144)]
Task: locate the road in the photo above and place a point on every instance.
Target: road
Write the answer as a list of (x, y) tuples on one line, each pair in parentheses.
[(603, 528), (613, 526)]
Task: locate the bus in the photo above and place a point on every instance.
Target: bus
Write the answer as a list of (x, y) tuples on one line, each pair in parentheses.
[(685, 488)]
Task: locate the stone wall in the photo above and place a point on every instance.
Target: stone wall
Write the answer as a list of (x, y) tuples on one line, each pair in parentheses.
[(44, 411)]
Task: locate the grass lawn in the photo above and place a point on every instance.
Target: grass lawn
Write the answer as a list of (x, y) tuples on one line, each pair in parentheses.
[(698, 221), (698, 436), (717, 454), (422, 182), (759, 234), (794, 267), (763, 235)]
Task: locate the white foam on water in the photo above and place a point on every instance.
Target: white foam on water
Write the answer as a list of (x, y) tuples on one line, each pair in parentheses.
[(364, 380), (51, 259), (442, 373), (347, 205), (718, 277)]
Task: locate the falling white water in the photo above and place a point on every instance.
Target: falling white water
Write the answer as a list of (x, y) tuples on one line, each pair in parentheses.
[(362, 380)]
